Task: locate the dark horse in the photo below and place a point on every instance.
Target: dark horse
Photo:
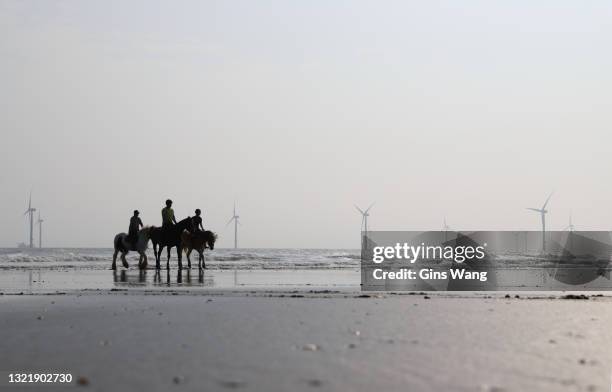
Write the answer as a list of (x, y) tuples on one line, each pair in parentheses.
[(198, 241), (169, 237)]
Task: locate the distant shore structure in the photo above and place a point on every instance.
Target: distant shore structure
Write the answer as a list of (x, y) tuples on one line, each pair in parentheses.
[(235, 218), (30, 211)]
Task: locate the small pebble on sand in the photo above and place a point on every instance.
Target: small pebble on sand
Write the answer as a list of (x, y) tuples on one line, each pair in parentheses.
[(310, 347), (315, 383), (232, 384), (82, 381)]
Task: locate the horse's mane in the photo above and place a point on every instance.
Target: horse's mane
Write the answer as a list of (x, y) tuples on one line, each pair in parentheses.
[(146, 229), (184, 220)]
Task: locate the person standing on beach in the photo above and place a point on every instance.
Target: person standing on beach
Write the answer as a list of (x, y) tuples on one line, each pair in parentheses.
[(197, 221), (168, 219), (135, 225)]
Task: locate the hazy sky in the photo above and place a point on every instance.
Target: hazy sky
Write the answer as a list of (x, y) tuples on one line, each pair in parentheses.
[(296, 110)]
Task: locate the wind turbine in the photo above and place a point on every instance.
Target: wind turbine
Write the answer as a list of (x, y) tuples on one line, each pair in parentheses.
[(40, 222), (445, 228), (235, 218), (31, 211), (364, 220), (543, 213), (571, 226)]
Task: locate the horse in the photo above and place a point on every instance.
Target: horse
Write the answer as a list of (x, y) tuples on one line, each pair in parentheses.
[(198, 240), (121, 244), (169, 237)]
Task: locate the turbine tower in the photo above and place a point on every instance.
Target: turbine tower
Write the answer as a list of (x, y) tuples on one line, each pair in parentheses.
[(543, 213), (364, 221), (235, 218), (31, 211), (40, 222)]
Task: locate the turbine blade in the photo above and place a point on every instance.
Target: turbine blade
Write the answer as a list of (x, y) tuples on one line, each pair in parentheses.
[(546, 202), (230, 221), (359, 209), (535, 209), (371, 205)]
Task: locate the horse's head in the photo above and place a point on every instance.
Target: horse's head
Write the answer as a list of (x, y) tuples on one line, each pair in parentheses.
[(145, 232), (143, 238), (210, 239)]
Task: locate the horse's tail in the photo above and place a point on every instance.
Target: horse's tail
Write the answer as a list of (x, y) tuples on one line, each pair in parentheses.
[(118, 243)]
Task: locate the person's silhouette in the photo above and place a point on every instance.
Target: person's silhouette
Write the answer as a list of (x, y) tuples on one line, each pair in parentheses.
[(197, 221), (168, 219), (135, 225)]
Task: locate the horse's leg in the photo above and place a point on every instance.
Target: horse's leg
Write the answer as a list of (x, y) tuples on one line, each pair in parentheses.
[(180, 256), (168, 262), (156, 256), (202, 258), (188, 258), (158, 259), (155, 253), (114, 265), (123, 260), (145, 263)]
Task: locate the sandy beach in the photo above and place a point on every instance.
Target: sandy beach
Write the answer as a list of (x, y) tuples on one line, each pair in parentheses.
[(305, 339)]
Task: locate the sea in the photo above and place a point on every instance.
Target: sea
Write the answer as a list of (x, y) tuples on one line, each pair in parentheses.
[(24, 270), (32, 271)]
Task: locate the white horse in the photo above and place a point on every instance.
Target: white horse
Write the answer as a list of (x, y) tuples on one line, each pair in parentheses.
[(121, 244)]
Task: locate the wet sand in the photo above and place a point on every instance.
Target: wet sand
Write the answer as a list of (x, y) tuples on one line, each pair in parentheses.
[(129, 339), (73, 280)]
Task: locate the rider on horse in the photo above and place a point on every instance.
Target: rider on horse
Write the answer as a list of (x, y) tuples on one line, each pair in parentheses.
[(168, 219), (135, 225), (197, 221)]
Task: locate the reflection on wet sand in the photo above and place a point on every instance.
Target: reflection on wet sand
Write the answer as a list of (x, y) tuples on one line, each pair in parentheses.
[(182, 278), (62, 280)]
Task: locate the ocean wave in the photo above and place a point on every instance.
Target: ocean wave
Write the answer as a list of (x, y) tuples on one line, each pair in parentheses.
[(217, 259)]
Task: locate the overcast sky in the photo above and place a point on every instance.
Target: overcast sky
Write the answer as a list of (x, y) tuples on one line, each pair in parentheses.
[(296, 110)]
